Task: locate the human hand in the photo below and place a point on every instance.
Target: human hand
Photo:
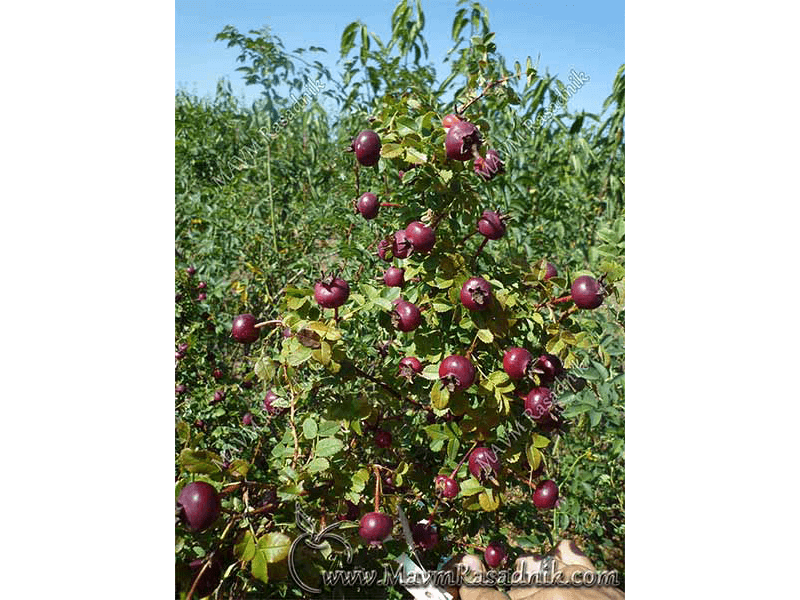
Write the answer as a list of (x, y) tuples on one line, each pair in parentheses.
[(565, 564)]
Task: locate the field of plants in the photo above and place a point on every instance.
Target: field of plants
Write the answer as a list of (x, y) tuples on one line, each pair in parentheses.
[(415, 300)]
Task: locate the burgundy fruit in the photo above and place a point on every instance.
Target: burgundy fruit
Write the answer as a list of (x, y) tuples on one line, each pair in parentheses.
[(550, 271), (490, 166), (217, 373), (201, 296), (200, 503), (244, 329), (456, 373), (545, 495), (246, 384), (516, 362), (367, 147), (425, 535), (247, 419), (494, 554), (406, 316), (410, 366), (383, 439), (202, 285), (551, 367), (587, 292), (401, 245), (492, 225), (180, 389), (375, 527), (183, 347), (462, 138), (269, 398), (368, 205), (483, 462), (421, 236), (179, 355), (539, 403), (331, 292), (394, 277), (476, 293), (219, 395), (446, 486), (191, 271)]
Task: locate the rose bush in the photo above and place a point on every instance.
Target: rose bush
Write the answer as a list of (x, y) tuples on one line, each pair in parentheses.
[(339, 420)]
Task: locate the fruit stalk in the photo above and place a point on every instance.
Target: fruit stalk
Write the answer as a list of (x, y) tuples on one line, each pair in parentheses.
[(391, 204), (463, 458), (460, 111)]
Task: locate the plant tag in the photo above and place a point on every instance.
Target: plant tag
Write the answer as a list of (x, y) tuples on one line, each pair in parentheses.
[(412, 572)]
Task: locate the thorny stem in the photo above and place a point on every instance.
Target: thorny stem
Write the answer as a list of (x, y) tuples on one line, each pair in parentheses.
[(554, 301), (377, 488), (211, 557), (291, 419), (271, 205), (467, 237), (390, 204), (265, 323), (389, 389), (463, 458), (460, 111), (571, 310), (483, 243), (357, 186)]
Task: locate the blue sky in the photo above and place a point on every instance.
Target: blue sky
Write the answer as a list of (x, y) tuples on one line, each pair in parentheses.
[(585, 36)]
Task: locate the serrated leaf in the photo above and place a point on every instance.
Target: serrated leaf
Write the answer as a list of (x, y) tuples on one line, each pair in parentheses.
[(555, 345), (436, 432), (470, 487), (245, 547), (416, 157), (329, 446), (238, 468), (199, 461), (441, 308), (498, 377), (430, 372), (309, 428), (328, 428), (534, 457), (258, 567), (488, 501), (383, 303), (485, 336), (322, 354), (299, 356), (318, 464), (440, 396), (539, 441), (392, 150)]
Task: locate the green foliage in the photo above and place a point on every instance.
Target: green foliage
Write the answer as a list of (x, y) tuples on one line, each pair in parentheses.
[(264, 203)]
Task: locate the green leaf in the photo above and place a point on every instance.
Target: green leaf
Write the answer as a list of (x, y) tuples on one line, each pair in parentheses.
[(275, 547), (199, 461), (430, 372), (488, 501), (392, 150), (440, 396), (318, 464), (259, 567), (245, 548), (436, 432), (309, 428), (470, 487), (539, 441), (485, 336), (329, 446), (416, 157), (534, 457), (328, 428)]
